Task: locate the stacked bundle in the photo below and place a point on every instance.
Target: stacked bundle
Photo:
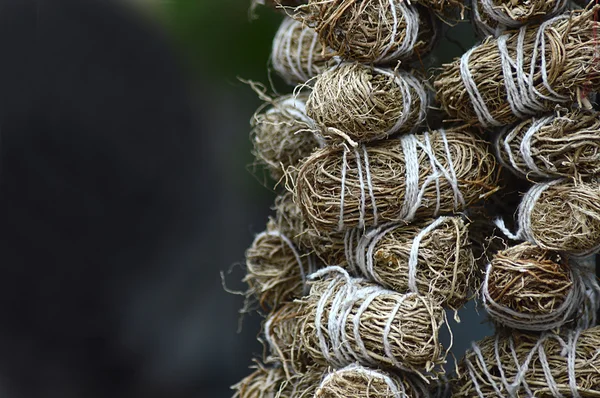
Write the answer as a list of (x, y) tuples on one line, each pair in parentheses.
[(532, 85), (368, 247)]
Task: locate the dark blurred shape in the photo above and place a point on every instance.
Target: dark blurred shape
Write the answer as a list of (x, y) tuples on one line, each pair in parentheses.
[(100, 175)]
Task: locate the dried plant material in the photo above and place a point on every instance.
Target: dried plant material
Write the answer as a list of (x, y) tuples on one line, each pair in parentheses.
[(523, 73), (560, 215), (297, 54), (532, 365), (282, 134), (552, 146), (278, 4), (492, 17), (415, 176), (282, 335), (273, 383), (356, 381), (348, 320), (373, 31), (529, 288), (355, 102), (276, 269)]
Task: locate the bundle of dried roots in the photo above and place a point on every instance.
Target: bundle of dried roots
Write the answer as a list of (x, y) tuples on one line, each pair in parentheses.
[(297, 54), (356, 381), (373, 31), (356, 102), (560, 215), (530, 288), (530, 365), (491, 17), (394, 180), (523, 73), (282, 134), (273, 382), (276, 269), (552, 146), (348, 320)]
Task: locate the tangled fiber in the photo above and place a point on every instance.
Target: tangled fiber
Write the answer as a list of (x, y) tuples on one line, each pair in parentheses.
[(348, 320), (273, 383), (360, 103), (282, 134), (532, 365), (356, 381), (394, 180), (297, 54), (529, 288), (282, 335), (276, 269), (279, 4), (560, 215), (523, 72), (373, 31), (491, 17), (552, 146)]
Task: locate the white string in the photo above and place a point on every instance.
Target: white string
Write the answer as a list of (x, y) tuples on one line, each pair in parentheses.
[(291, 246), (395, 388), (511, 388), (520, 81), (340, 298), (412, 21)]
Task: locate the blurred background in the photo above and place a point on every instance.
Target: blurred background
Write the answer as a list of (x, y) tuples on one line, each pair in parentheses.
[(164, 326)]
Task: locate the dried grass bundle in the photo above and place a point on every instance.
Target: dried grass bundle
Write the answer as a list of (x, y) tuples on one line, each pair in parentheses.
[(282, 134), (355, 102), (276, 269), (552, 146), (356, 381), (530, 365), (491, 17), (530, 288), (560, 215), (523, 72), (297, 54), (415, 176), (273, 383), (373, 31), (282, 335), (279, 4), (348, 320)]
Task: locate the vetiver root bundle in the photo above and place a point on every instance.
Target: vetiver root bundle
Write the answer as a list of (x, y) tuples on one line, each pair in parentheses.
[(552, 146), (349, 320), (523, 72), (297, 54), (356, 381), (530, 365), (276, 270), (394, 180), (282, 133), (273, 382), (529, 288), (373, 31), (360, 103), (490, 17), (560, 215)]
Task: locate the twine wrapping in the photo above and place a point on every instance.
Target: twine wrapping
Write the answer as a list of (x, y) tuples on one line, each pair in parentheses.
[(523, 73), (532, 365), (560, 215), (282, 134), (529, 288), (492, 17), (276, 269), (297, 54), (356, 381), (273, 383), (349, 320), (396, 180), (359, 103), (552, 146), (373, 31)]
